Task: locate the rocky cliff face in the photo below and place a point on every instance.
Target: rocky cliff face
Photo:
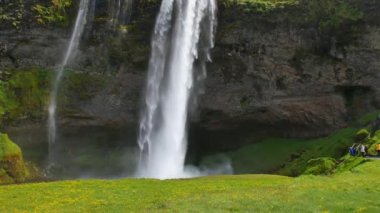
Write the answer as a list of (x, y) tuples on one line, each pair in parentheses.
[(275, 73), (269, 73)]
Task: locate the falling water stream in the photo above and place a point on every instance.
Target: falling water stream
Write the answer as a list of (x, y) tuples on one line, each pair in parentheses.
[(120, 12), (176, 46), (73, 45)]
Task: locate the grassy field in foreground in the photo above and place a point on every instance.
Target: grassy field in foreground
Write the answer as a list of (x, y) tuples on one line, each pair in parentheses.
[(355, 191)]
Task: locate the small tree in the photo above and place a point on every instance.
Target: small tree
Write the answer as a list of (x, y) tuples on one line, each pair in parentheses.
[(55, 12), (12, 13)]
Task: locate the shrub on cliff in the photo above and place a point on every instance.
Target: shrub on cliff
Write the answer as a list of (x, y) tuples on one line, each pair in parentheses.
[(321, 166), (54, 12), (362, 135), (20, 14), (12, 167), (12, 13)]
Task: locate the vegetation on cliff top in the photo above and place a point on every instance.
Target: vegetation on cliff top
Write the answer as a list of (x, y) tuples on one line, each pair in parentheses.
[(53, 12), (327, 13), (22, 12), (259, 5), (12, 13)]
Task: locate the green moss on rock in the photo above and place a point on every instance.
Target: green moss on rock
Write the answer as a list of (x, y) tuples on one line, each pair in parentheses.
[(4, 177), (24, 95), (11, 161), (32, 171), (321, 166), (81, 86), (362, 135)]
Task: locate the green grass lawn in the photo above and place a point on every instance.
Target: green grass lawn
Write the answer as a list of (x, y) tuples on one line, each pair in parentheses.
[(354, 191)]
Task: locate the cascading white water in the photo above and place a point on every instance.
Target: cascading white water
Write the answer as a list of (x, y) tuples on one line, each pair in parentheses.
[(120, 12), (73, 45), (175, 47)]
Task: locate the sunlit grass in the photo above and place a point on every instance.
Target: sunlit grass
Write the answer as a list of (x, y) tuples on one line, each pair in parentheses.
[(355, 191)]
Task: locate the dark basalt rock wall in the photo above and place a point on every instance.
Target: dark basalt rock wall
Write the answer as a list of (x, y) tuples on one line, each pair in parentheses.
[(268, 73)]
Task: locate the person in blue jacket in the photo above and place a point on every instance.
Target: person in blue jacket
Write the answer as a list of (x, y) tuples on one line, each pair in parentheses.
[(352, 150)]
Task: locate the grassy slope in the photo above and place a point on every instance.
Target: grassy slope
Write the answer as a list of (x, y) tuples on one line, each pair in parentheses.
[(274, 154), (349, 191), (267, 155), (290, 156)]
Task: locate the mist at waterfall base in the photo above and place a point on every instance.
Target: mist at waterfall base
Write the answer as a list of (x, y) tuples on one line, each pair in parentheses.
[(98, 152), (183, 37), (109, 152)]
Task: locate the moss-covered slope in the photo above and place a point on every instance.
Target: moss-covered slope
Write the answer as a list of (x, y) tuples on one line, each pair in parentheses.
[(12, 168)]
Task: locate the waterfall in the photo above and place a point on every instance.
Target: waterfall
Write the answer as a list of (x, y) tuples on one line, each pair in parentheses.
[(120, 12), (183, 35), (73, 45)]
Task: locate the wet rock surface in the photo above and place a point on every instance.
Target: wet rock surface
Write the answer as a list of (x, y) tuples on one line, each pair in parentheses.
[(266, 74)]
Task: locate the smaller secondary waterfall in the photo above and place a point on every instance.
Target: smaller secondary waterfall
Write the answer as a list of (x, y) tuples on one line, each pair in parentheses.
[(120, 12), (184, 32), (73, 45)]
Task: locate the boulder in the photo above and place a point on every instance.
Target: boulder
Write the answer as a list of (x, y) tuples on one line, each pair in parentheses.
[(12, 167)]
